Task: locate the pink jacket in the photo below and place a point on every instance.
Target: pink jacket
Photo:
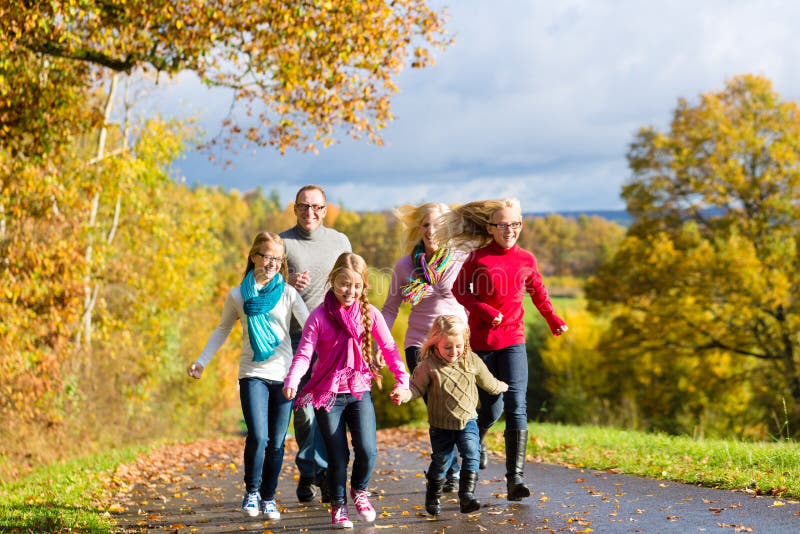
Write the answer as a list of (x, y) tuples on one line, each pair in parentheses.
[(319, 334)]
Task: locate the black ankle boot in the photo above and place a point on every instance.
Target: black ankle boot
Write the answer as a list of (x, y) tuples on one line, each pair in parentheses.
[(466, 492), (324, 489), (433, 494), (305, 489), (484, 453), (516, 442)]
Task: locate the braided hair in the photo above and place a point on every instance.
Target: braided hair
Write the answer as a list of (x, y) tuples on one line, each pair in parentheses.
[(348, 261)]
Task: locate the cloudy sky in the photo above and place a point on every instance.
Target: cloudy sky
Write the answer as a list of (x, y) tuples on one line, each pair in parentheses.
[(535, 99)]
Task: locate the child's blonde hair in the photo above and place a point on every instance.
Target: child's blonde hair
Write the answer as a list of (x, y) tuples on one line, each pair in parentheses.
[(260, 239), (446, 326), (348, 261), (464, 227), (411, 217)]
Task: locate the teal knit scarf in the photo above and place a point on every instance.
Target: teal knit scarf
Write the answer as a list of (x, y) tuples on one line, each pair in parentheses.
[(257, 305)]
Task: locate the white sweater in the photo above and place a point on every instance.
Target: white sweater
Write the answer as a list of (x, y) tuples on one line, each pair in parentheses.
[(276, 366)]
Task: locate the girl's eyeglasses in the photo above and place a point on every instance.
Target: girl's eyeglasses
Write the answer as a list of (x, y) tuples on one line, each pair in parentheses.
[(270, 259), (503, 226)]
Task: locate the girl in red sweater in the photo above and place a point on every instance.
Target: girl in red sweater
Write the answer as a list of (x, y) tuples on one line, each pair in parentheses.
[(491, 286)]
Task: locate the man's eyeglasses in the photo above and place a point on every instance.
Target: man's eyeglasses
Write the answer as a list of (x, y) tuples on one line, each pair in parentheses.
[(304, 207), (270, 259), (503, 226)]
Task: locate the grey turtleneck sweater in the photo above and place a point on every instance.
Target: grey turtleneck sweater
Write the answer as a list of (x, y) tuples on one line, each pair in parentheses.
[(315, 252)]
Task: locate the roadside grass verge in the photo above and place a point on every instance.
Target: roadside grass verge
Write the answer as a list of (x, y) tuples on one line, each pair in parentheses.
[(763, 468), (62, 497)]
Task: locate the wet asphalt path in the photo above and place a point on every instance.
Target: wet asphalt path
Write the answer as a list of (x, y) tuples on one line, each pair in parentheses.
[(563, 500)]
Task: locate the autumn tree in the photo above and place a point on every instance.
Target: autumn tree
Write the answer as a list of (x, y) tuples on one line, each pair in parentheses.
[(704, 289), (303, 71)]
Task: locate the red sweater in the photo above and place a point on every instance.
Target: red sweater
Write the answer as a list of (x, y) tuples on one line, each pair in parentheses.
[(495, 279)]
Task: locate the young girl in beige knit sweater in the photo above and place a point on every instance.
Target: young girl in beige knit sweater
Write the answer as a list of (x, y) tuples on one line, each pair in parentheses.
[(450, 374)]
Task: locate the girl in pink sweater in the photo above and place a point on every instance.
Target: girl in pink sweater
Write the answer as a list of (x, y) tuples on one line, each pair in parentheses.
[(491, 286), (341, 330), (424, 279)]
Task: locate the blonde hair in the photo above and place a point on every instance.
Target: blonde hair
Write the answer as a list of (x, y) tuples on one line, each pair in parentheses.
[(348, 261), (446, 326), (260, 239), (411, 217), (465, 226)]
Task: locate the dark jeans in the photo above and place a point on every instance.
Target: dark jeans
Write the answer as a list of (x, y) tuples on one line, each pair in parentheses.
[(311, 459), (266, 412), (412, 359), (348, 412), (511, 366), (442, 442)]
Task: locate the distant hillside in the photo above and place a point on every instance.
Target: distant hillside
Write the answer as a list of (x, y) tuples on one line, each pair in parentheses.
[(621, 217)]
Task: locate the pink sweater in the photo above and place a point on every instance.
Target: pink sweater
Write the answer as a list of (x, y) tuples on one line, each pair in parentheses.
[(319, 333), (495, 279)]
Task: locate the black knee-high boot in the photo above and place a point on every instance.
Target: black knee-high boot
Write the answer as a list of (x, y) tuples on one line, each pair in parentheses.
[(484, 459), (516, 441), (466, 492), (433, 495)]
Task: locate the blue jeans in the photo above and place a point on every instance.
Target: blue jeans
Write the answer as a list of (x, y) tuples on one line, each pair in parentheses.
[(412, 359), (266, 412), (442, 442), (511, 366), (359, 417), (311, 459)]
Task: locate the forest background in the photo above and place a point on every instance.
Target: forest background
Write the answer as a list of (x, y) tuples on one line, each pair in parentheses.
[(114, 271)]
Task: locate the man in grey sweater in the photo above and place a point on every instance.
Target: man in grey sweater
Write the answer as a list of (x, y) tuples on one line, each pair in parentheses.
[(311, 250)]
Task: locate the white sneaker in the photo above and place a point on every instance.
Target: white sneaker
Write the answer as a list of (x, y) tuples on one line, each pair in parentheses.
[(270, 509), (250, 504)]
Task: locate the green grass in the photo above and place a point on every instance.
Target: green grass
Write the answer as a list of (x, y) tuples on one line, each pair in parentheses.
[(764, 468), (62, 497)]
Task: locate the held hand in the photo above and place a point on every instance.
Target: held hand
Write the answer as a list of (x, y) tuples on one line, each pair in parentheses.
[(289, 393), (503, 387), (400, 395), (299, 280), (561, 329), (497, 320), (196, 370)]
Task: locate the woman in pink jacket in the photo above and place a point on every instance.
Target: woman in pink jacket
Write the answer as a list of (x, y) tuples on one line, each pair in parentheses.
[(340, 330)]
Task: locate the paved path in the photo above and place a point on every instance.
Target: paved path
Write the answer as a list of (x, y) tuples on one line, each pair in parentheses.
[(205, 498)]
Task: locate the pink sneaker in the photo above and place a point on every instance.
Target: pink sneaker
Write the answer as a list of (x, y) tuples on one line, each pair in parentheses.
[(364, 508), (339, 518)]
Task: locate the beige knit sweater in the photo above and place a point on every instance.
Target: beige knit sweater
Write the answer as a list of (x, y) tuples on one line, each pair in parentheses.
[(452, 389)]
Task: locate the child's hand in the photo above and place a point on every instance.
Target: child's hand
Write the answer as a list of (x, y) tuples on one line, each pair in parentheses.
[(497, 320), (400, 395), (503, 387), (196, 370), (289, 393)]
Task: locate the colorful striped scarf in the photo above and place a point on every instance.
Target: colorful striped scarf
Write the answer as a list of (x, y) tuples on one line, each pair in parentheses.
[(427, 272)]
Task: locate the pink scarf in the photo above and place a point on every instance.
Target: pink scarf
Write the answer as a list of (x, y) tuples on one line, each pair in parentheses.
[(343, 364)]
